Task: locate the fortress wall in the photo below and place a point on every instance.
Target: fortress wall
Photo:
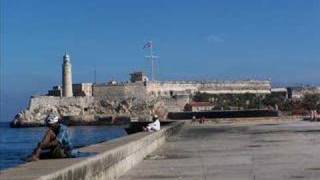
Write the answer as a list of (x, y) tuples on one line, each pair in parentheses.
[(162, 88), (40, 106), (217, 87), (250, 85), (35, 101), (110, 91), (136, 90), (119, 92), (176, 104), (39, 101), (244, 91), (50, 101), (132, 98)]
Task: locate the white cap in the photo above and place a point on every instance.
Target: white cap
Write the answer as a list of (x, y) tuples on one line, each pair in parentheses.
[(51, 119), (155, 116)]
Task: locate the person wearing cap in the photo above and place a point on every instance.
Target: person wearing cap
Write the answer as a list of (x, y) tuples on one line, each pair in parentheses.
[(154, 126), (56, 141)]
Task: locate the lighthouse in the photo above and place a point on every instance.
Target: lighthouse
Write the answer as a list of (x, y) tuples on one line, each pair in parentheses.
[(66, 77)]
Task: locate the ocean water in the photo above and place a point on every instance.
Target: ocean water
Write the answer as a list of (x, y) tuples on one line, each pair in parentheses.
[(18, 143)]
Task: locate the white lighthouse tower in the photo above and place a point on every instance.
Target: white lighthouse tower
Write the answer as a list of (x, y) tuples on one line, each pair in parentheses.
[(66, 77)]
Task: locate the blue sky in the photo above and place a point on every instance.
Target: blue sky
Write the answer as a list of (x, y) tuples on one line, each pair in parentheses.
[(203, 39)]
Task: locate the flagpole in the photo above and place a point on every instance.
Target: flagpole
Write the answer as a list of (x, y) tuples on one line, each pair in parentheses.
[(95, 75), (152, 63), (152, 58)]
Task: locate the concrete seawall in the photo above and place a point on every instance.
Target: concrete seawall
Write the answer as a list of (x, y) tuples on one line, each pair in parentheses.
[(111, 160), (224, 114)]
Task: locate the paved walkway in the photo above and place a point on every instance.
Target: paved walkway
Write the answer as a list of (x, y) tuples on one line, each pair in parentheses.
[(257, 152)]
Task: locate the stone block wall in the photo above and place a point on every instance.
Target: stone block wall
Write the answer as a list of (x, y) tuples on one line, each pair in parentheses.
[(122, 91), (177, 103), (213, 87), (110, 91)]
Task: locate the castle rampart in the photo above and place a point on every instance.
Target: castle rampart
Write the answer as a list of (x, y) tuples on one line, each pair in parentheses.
[(120, 91), (212, 87)]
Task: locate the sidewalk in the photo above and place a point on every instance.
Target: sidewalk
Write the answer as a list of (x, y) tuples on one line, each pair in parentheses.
[(257, 152)]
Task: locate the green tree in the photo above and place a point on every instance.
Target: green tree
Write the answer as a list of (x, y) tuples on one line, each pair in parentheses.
[(274, 99), (311, 101), (202, 97), (287, 105)]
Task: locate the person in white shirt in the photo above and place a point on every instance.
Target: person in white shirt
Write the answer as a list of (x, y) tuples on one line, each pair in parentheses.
[(154, 126)]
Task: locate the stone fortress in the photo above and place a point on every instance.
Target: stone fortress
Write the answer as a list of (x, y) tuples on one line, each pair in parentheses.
[(140, 86), (137, 98)]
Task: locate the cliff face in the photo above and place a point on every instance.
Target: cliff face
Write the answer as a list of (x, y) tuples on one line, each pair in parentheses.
[(87, 109)]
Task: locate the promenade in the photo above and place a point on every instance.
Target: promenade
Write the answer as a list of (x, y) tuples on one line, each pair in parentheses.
[(289, 150)]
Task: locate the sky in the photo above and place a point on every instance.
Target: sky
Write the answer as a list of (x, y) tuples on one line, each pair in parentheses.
[(198, 39)]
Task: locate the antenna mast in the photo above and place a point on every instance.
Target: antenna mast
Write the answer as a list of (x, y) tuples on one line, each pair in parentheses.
[(152, 58), (95, 75)]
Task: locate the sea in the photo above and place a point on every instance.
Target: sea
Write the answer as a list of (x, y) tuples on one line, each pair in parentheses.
[(18, 143)]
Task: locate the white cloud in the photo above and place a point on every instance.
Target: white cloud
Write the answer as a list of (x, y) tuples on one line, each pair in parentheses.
[(214, 39)]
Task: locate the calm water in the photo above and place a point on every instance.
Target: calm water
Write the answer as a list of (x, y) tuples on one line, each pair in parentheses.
[(16, 144)]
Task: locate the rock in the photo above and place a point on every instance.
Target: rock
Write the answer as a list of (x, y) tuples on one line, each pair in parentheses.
[(84, 108)]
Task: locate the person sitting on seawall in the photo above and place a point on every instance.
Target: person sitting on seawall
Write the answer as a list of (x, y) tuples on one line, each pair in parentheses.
[(55, 143), (154, 126)]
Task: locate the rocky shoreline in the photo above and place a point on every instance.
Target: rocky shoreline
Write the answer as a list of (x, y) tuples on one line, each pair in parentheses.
[(78, 121), (77, 111)]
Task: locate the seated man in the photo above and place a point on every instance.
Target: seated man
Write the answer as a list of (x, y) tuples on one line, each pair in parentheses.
[(56, 141), (154, 126)]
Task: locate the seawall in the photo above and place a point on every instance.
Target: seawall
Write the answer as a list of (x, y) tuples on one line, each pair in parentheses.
[(223, 114), (110, 160)]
